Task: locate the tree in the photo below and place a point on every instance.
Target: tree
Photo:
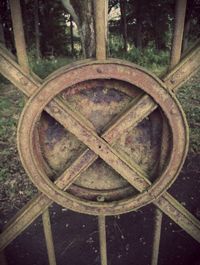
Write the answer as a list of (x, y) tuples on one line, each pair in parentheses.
[(83, 15), (123, 22), (37, 31)]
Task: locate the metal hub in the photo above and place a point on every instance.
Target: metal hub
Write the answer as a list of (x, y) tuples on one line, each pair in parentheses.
[(101, 152)]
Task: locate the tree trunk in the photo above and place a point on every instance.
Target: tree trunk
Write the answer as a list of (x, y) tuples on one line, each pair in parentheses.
[(160, 26), (83, 15), (72, 35), (138, 5), (124, 22), (5, 20), (37, 31), (186, 34), (25, 19)]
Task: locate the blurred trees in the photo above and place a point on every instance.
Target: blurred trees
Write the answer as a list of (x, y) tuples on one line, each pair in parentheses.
[(56, 27)]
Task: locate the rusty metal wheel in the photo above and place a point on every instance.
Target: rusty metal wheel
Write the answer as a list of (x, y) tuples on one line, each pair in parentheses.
[(115, 83)]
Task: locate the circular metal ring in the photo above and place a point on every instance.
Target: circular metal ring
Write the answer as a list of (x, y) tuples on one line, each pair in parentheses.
[(109, 69)]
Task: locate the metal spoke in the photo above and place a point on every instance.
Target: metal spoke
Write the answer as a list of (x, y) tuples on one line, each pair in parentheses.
[(102, 239), (186, 68), (175, 58), (101, 8), (158, 214), (19, 37), (48, 237), (156, 236), (178, 31)]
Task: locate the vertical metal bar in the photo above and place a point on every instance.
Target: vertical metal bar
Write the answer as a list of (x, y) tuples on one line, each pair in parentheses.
[(156, 236), (180, 12), (102, 239), (101, 18), (49, 237), (18, 29), (158, 214)]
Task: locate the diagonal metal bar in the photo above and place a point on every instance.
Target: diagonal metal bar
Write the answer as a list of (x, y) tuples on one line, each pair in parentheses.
[(187, 67), (75, 123)]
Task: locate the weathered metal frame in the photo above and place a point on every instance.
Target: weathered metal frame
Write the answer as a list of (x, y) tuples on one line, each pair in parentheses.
[(76, 124), (28, 84), (24, 82)]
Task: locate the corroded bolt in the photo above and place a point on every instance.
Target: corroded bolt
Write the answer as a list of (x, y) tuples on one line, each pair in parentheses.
[(55, 110), (23, 81), (100, 198), (99, 70)]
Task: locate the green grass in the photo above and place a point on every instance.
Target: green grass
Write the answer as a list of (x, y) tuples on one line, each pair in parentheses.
[(44, 67), (149, 57), (189, 97)]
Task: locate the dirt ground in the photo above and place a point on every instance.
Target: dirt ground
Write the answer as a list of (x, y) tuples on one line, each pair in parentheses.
[(76, 235)]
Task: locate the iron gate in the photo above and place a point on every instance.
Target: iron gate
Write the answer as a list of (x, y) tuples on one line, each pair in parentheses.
[(105, 109)]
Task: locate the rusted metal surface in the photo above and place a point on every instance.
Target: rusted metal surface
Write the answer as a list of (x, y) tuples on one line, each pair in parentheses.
[(180, 13), (19, 37), (156, 236), (99, 102), (98, 133), (49, 237), (187, 67), (175, 58), (102, 239), (170, 206), (76, 125), (101, 13)]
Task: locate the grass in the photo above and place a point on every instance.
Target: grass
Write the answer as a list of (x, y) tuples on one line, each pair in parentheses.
[(189, 97), (15, 187), (149, 57), (44, 67)]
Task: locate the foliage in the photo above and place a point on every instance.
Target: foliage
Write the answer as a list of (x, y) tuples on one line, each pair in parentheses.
[(149, 57), (44, 66), (189, 97)]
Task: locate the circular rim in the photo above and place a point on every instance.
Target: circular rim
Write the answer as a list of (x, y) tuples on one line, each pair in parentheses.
[(109, 69)]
